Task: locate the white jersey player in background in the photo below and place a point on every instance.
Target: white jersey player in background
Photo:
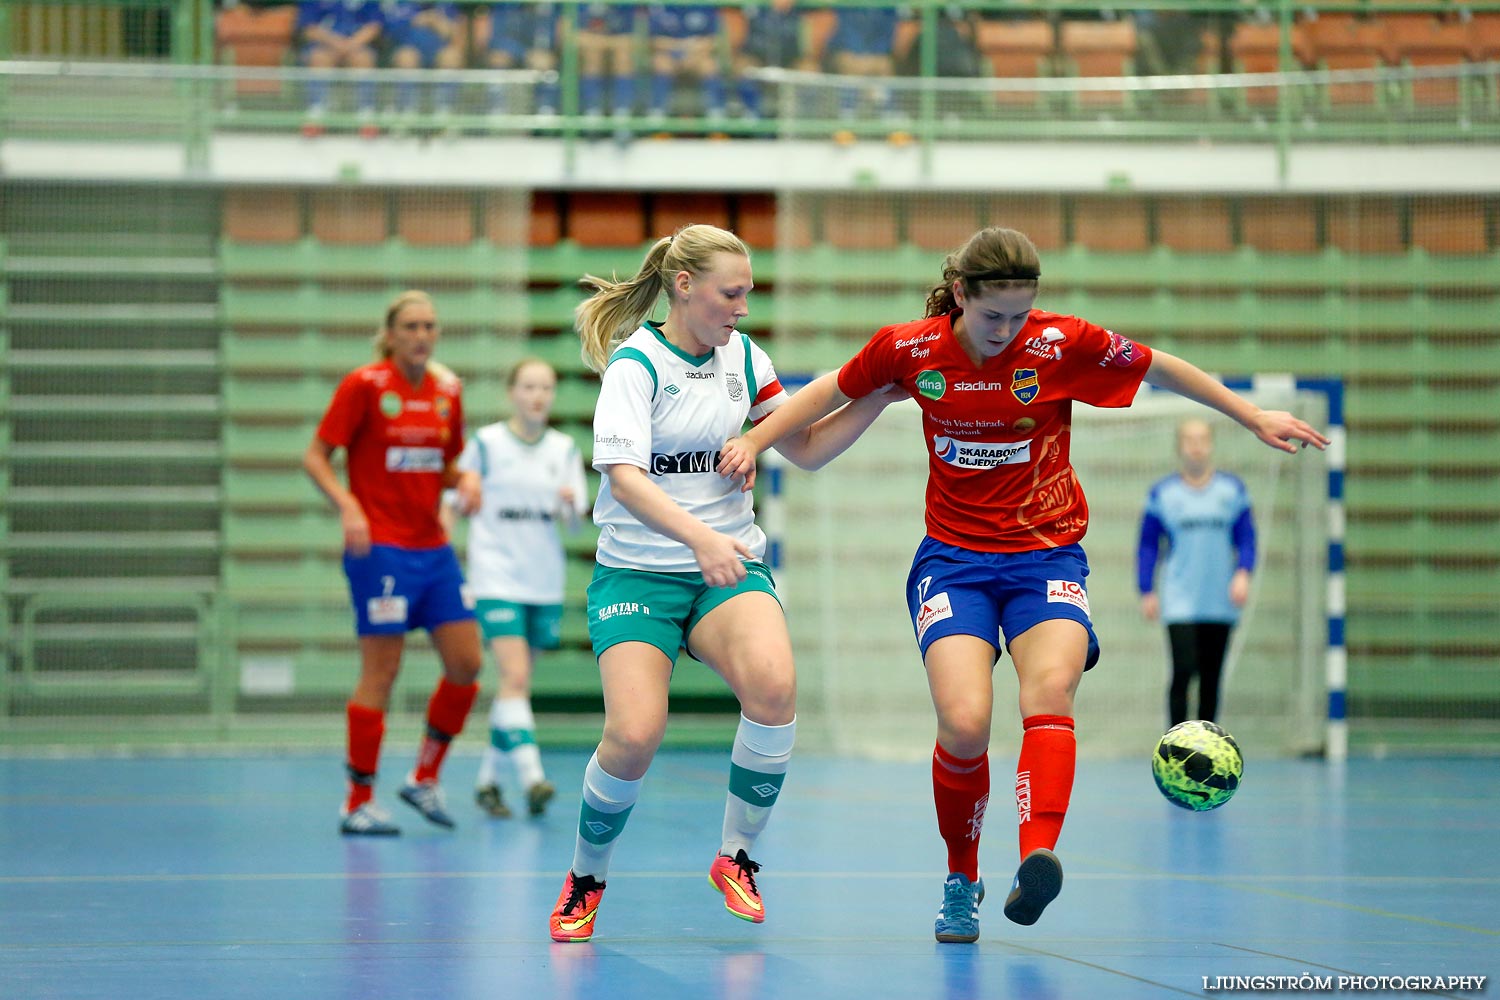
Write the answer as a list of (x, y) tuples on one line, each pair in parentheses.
[(532, 483)]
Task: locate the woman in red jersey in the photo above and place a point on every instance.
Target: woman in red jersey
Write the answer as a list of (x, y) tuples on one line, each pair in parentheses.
[(400, 422), (996, 380)]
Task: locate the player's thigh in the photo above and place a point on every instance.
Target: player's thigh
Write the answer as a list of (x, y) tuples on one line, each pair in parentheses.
[(458, 646), (960, 677), (635, 677), (1049, 659), (745, 641)]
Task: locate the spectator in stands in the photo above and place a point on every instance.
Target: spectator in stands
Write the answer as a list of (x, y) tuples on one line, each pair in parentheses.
[(1204, 516), (338, 33), (957, 46), (773, 37), (685, 41), (400, 423), (532, 481), (679, 564), (863, 43), (996, 380), (424, 36), (1170, 40), (525, 35), (606, 45)]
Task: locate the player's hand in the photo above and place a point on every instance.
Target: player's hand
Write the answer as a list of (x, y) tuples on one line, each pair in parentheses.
[(356, 533), (721, 559), (1150, 607), (470, 493), (888, 394), (1239, 588), (737, 459), (1279, 429)]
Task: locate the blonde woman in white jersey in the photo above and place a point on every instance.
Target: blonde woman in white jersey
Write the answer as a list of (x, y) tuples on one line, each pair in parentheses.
[(532, 481), (679, 557)]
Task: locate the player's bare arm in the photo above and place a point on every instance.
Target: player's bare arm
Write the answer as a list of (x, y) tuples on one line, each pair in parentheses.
[(1276, 428), (318, 461), (816, 446), (816, 400), (720, 557)]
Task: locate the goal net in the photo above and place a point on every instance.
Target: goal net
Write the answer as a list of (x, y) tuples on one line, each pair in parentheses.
[(851, 530)]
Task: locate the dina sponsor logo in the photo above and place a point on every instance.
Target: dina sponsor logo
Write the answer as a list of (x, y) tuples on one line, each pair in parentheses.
[(932, 384)]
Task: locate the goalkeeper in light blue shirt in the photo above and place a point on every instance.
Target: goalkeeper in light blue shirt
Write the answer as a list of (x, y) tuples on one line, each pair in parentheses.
[(1205, 518)]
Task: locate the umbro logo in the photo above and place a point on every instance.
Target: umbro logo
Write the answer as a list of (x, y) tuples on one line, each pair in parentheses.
[(597, 828), (672, 390), (765, 790)]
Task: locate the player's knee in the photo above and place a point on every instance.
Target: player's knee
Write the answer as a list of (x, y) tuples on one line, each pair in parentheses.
[(633, 740)]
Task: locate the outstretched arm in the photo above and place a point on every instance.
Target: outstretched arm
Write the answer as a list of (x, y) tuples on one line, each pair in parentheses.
[(1276, 428), (816, 400), (814, 447)]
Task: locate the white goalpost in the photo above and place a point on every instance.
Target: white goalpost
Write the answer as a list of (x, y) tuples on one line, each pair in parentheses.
[(845, 537)]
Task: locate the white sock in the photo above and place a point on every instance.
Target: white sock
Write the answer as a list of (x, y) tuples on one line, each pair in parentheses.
[(757, 766), (513, 730), (607, 802)]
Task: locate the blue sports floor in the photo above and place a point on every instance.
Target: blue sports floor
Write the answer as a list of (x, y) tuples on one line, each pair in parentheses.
[(219, 877)]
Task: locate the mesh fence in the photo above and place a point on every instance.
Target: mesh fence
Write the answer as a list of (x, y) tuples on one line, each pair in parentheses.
[(166, 346)]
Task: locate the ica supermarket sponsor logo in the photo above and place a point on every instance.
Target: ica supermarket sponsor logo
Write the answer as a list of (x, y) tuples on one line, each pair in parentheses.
[(981, 454), (932, 384), (933, 609), (1068, 592)]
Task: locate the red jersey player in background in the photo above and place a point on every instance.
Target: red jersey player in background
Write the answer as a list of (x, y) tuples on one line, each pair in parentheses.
[(996, 380), (400, 421)]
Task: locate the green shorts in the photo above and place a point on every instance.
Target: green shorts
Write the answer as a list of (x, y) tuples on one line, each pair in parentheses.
[(660, 608), (539, 624)]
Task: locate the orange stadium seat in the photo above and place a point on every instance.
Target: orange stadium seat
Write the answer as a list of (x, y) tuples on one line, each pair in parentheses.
[(1113, 223), (606, 218), (1017, 50), (671, 211), (1196, 225), (350, 217), (1448, 225), (1347, 41), (1424, 40), (755, 220), (262, 215), (1256, 48), (860, 222), (1364, 225), (255, 36), (1039, 217), (1279, 224), (942, 222), (435, 218), (1099, 48)]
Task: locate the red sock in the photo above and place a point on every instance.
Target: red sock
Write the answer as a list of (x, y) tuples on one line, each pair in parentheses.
[(446, 711), (366, 730), (1044, 779), (961, 790)]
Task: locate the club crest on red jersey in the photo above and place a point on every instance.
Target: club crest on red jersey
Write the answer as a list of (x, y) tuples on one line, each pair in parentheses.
[(1024, 384)]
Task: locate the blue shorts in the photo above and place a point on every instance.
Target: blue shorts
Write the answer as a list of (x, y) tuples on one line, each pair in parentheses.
[(427, 42), (396, 590), (865, 32), (955, 591), (606, 19)]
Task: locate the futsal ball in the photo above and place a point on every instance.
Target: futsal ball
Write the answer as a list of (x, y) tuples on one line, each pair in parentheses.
[(1197, 765)]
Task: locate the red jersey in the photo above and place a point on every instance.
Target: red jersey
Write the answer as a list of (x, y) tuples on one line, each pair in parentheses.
[(999, 478), (399, 440)]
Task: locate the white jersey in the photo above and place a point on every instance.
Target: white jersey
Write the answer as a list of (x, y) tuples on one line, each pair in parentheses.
[(515, 553), (667, 412)]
